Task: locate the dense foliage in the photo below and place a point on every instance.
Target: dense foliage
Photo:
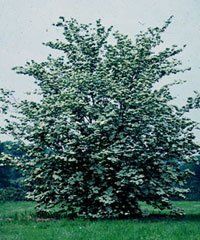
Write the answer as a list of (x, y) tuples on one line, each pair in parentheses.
[(102, 137)]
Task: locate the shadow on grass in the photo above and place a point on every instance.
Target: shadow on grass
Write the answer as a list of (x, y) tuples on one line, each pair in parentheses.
[(153, 217), (165, 217)]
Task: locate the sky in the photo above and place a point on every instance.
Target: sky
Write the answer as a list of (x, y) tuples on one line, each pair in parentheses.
[(26, 24)]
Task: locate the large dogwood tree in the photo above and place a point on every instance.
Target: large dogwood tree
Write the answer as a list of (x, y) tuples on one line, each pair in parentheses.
[(103, 138)]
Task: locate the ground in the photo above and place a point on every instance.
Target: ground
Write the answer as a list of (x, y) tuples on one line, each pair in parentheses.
[(18, 222)]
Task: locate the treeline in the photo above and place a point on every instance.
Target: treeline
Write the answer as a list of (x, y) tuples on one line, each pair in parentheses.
[(11, 180), (194, 183)]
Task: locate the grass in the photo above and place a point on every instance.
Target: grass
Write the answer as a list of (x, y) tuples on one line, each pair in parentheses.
[(18, 222)]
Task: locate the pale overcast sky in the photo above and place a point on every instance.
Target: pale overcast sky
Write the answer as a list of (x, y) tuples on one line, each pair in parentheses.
[(25, 24)]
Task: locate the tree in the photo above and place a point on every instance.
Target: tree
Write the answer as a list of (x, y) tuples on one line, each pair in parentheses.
[(194, 183), (11, 187), (102, 138)]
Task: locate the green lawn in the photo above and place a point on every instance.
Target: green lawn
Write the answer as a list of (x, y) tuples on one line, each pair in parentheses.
[(18, 222)]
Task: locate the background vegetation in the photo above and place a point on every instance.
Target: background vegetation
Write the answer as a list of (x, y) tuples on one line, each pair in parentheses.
[(11, 186)]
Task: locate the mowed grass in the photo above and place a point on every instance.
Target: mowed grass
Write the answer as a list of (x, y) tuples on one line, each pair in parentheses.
[(19, 222)]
